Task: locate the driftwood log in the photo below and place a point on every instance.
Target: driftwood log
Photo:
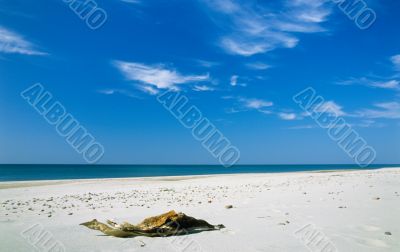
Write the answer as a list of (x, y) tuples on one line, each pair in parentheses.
[(168, 224)]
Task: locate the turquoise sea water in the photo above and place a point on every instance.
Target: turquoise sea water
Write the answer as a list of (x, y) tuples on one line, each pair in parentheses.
[(56, 172)]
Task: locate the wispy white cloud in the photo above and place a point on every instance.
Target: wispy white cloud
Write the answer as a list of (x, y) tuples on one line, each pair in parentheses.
[(307, 126), (207, 63), (384, 84), (234, 110), (368, 124), (361, 124), (244, 104), (241, 46), (202, 88), (263, 106), (113, 91), (396, 61), (148, 89), (252, 103), (330, 107), (265, 111), (132, 1), (153, 77), (107, 91), (258, 66), (386, 110), (392, 84), (12, 42), (287, 116), (259, 28), (234, 79), (268, 107)]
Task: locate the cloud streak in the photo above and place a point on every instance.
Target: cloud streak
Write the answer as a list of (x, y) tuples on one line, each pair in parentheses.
[(331, 108), (255, 103), (386, 110), (258, 28), (396, 61), (151, 78), (14, 43), (202, 88), (287, 116), (248, 104), (384, 84), (132, 1), (112, 91), (234, 80), (258, 66)]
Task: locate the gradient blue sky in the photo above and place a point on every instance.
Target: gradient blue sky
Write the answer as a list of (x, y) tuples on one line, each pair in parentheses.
[(240, 62)]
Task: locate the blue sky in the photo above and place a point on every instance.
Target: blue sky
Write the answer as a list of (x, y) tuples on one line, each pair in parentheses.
[(239, 62)]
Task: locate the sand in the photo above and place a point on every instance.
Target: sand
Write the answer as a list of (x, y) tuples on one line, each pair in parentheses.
[(304, 211)]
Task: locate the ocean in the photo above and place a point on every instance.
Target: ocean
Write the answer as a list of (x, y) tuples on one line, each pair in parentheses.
[(60, 172)]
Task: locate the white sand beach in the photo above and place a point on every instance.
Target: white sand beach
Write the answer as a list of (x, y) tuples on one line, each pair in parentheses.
[(350, 210)]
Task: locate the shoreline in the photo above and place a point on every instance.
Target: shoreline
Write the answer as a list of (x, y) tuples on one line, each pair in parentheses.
[(33, 183), (24, 173)]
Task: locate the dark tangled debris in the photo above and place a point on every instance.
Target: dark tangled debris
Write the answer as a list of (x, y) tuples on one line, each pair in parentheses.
[(168, 224)]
